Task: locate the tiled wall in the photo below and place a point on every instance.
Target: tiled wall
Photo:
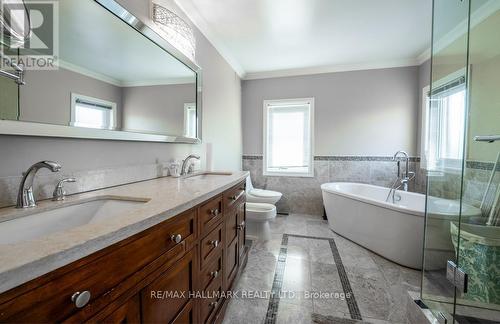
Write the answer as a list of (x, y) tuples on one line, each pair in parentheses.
[(87, 180), (303, 195), (476, 177)]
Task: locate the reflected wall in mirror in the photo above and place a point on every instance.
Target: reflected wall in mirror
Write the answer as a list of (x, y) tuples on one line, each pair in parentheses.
[(109, 77)]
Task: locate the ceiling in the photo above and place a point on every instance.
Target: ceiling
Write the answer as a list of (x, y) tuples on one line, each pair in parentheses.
[(96, 43), (263, 38)]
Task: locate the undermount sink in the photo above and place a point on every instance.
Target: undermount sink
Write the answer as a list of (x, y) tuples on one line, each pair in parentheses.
[(205, 175), (62, 218)]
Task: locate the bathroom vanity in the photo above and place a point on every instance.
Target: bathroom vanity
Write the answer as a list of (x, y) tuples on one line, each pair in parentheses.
[(170, 258)]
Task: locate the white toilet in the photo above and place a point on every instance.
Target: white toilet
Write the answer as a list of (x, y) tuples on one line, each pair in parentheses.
[(258, 217), (260, 195)]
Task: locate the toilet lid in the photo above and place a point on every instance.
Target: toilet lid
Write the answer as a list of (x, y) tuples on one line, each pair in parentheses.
[(259, 207), (264, 193), (260, 212)]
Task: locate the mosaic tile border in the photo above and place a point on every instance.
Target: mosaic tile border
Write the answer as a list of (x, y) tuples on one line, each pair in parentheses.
[(479, 165), (272, 310), (341, 158)]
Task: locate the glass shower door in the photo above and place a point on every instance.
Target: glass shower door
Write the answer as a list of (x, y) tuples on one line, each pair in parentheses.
[(443, 127), (461, 157), (476, 238)]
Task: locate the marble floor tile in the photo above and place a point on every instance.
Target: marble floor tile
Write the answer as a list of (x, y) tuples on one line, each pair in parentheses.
[(379, 285), (291, 313)]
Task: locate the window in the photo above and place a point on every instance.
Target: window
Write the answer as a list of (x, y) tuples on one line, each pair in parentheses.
[(443, 121), (288, 137), (190, 120), (92, 112)]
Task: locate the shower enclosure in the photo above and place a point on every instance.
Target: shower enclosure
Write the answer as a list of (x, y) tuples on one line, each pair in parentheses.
[(460, 155)]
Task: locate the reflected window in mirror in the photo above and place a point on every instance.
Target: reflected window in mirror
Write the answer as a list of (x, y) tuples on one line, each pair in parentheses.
[(190, 120), (444, 119), (92, 112)]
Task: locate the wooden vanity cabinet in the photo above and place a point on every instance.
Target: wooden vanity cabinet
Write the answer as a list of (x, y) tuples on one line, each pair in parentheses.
[(161, 275), (234, 200)]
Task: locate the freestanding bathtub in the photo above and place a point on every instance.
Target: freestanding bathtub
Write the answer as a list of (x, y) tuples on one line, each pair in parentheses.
[(395, 231)]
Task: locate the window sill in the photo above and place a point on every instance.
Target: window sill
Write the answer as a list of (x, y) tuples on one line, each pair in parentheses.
[(289, 175)]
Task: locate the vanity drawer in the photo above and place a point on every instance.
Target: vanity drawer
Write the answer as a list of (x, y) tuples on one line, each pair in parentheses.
[(211, 272), (211, 246), (233, 197), (104, 275), (166, 296), (210, 214), (211, 301)]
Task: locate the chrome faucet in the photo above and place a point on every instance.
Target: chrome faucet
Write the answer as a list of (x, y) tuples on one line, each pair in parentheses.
[(408, 175), (401, 180), (25, 197), (185, 163)]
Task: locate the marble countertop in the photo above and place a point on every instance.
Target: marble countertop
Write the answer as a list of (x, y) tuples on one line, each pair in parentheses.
[(167, 197)]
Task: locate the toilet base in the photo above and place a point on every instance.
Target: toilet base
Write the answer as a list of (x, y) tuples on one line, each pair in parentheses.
[(258, 231)]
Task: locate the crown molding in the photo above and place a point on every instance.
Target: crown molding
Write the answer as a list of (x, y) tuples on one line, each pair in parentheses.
[(118, 83), (331, 69), (190, 10)]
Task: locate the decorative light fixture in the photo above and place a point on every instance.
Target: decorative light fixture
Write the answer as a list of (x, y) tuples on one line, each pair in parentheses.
[(175, 29)]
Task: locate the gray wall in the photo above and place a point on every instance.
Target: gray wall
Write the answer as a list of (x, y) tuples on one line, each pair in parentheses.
[(221, 127), (353, 110), (157, 108), (221, 94)]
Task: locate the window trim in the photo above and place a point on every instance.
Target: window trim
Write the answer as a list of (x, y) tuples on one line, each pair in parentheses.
[(76, 96), (425, 118), (296, 101)]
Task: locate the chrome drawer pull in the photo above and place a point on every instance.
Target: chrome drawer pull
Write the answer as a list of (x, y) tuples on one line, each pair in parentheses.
[(241, 226), (80, 299), (236, 197), (214, 243), (213, 304), (176, 238), (214, 274), (214, 212)]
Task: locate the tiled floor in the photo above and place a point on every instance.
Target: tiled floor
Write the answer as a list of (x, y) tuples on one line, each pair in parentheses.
[(379, 286)]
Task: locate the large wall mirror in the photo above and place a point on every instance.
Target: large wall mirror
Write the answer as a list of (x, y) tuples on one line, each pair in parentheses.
[(115, 79)]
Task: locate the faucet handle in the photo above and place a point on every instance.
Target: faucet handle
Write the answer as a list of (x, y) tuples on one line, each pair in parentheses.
[(59, 193)]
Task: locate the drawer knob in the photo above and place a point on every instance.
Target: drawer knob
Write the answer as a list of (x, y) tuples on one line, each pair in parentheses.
[(176, 238), (80, 299), (241, 226), (214, 212), (214, 274), (215, 243), (213, 304)]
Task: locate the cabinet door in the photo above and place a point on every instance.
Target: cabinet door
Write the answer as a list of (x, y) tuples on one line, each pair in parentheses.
[(241, 229), (166, 297), (129, 312), (231, 263)]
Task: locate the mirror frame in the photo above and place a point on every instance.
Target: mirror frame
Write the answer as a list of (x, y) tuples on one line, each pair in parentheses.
[(12, 127)]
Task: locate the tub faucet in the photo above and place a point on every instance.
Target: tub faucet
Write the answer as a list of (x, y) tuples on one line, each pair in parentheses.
[(25, 197), (408, 175), (185, 163)]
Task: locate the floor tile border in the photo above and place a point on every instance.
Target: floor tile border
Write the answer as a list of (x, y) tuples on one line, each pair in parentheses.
[(272, 310)]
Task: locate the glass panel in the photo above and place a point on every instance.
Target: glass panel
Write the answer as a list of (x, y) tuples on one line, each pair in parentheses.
[(477, 238), (443, 155)]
